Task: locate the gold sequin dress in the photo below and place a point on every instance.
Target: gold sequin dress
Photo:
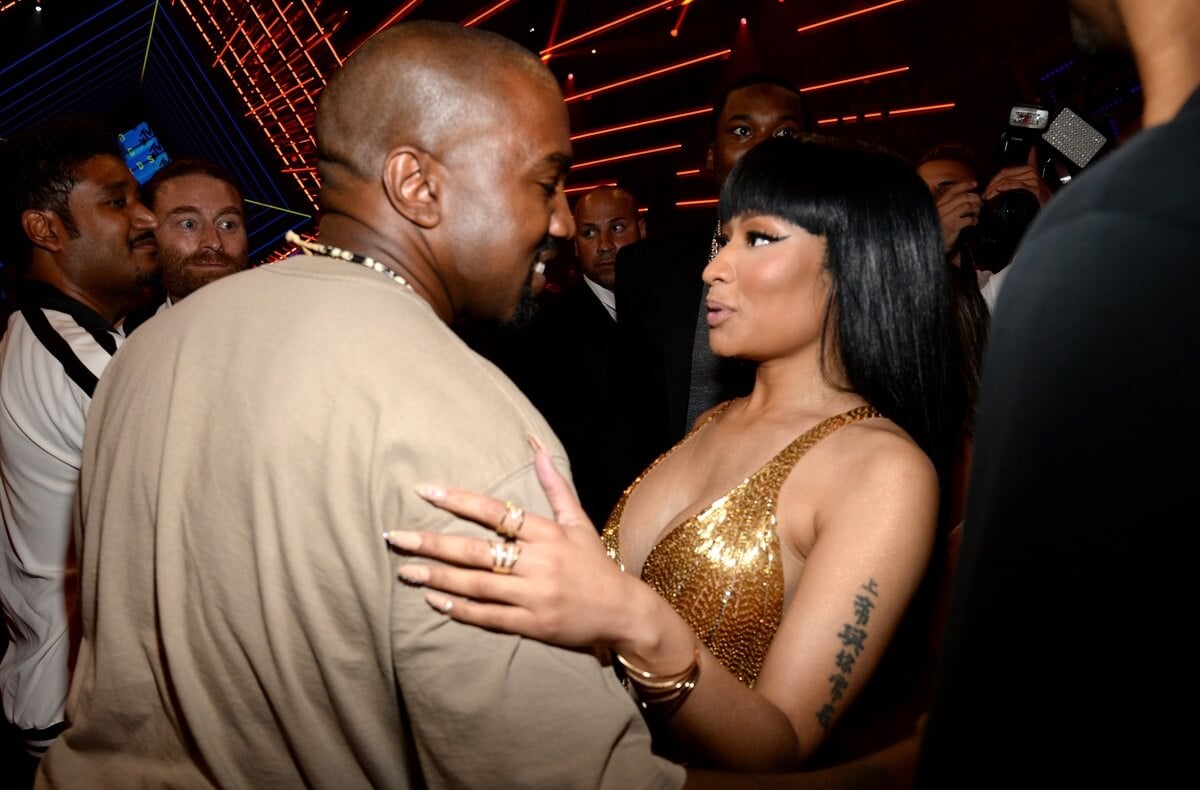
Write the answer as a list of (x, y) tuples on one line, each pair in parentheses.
[(721, 569)]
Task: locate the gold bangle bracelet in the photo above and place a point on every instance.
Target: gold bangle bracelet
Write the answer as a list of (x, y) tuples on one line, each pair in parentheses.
[(660, 693)]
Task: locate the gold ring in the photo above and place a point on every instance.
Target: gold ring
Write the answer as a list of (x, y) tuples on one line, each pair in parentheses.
[(516, 515), (505, 554)]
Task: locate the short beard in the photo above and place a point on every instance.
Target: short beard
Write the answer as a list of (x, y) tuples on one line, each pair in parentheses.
[(527, 307), (180, 281), (527, 304)]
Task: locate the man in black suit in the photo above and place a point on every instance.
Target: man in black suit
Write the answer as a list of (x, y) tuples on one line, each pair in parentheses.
[(669, 374), (567, 363)]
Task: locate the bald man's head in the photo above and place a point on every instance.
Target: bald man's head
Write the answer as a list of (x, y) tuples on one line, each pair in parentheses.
[(444, 149), (424, 84), (606, 219)]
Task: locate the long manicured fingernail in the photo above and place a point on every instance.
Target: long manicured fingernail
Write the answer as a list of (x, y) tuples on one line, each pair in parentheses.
[(429, 491), (535, 443), (414, 574), (439, 602), (403, 539)]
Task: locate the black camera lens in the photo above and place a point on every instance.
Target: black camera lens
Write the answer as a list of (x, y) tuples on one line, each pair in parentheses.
[(1013, 209), (1002, 221)]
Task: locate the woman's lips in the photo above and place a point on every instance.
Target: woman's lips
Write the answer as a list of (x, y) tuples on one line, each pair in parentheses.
[(717, 313)]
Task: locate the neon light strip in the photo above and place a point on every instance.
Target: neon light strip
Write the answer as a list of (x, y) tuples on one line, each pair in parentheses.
[(489, 12), (859, 78), (639, 124), (278, 208), (926, 108), (396, 17), (606, 26), (657, 72), (149, 38), (589, 187), (694, 203), (679, 20), (630, 155), (692, 172), (850, 15), (874, 116), (277, 64)]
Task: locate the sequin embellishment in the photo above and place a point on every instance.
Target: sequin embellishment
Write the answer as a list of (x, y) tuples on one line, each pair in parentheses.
[(721, 569)]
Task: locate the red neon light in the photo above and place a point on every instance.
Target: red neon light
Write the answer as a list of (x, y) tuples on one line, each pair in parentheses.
[(607, 26), (489, 12), (396, 17), (638, 78), (695, 203), (679, 21), (859, 12), (588, 187), (639, 124), (859, 78), (693, 172), (926, 108), (630, 155), (277, 56), (874, 116)]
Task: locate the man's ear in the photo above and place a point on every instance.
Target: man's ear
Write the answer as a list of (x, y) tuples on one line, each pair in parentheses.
[(641, 223), (710, 157), (411, 181), (43, 228)]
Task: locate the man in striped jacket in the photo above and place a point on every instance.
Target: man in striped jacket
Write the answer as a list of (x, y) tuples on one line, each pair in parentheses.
[(74, 224)]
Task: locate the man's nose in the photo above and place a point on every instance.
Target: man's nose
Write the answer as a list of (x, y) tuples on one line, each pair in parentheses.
[(143, 218), (562, 224), (210, 238)]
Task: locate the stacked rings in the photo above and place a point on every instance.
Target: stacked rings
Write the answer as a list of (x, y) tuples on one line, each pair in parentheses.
[(513, 514), (505, 554)]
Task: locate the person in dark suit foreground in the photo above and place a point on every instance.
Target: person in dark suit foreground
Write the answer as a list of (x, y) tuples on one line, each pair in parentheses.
[(567, 360), (1076, 578)]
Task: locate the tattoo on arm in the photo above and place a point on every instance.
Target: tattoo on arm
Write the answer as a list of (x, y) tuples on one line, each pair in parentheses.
[(853, 637)]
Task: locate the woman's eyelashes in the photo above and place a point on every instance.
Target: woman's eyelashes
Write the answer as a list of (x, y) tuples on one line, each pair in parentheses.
[(758, 238)]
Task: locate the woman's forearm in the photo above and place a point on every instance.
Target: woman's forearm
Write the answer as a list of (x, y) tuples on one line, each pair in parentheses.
[(722, 722)]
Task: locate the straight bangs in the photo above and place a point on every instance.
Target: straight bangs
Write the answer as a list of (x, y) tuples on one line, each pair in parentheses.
[(787, 181), (889, 322)]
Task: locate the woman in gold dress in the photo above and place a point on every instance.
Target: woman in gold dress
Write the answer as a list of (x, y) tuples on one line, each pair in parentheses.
[(764, 564)]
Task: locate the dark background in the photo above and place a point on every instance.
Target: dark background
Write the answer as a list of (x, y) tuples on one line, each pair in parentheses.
[(236, 81)]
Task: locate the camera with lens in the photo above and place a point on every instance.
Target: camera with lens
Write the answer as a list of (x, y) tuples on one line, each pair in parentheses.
[(1062, 146)]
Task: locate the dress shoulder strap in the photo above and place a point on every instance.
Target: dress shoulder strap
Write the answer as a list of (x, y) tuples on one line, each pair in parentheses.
[(779, 467)]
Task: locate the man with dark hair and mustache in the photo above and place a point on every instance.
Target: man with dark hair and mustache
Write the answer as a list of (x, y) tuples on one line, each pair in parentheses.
[(201, 228), (75, 227)]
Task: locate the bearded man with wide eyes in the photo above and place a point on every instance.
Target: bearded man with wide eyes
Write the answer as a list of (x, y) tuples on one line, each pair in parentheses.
[(201, 230)]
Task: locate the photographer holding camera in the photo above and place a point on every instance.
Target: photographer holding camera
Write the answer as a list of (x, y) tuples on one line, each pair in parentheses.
[(953, 175), (982, 233)]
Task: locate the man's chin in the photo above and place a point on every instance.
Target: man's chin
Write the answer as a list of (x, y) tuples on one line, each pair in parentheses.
[(525, 310)]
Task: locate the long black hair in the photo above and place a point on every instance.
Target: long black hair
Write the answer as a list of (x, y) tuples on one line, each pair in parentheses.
[(888, 319)]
